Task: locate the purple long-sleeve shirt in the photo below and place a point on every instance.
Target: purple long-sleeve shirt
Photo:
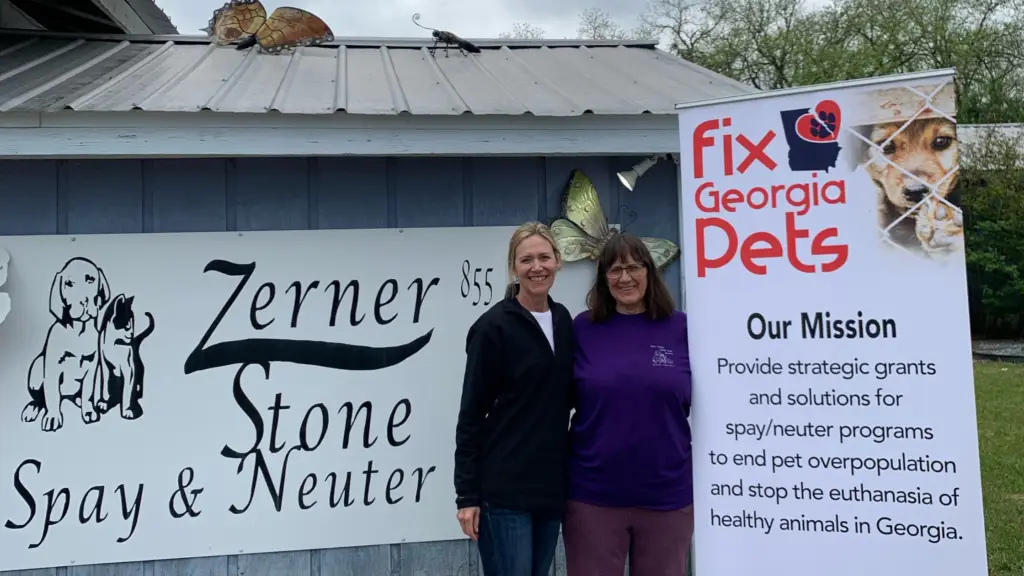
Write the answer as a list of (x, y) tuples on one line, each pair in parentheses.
[(630, 435)]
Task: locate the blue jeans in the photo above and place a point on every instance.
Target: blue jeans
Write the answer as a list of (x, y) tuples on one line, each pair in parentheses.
[(514, 543)]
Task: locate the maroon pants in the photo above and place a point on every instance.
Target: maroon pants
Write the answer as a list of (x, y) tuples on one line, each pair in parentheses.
[(597, 540)]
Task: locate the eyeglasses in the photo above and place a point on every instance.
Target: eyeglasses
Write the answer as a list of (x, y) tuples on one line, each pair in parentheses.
[(634, 271)]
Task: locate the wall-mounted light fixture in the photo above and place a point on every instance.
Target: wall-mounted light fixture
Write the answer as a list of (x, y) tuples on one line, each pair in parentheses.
[(629, 177)]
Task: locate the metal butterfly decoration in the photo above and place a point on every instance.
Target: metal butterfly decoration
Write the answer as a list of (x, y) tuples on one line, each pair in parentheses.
[(246, 22), (583, 230)]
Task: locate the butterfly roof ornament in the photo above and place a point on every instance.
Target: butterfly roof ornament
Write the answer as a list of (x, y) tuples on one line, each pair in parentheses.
[(246, 22), (582, 230)]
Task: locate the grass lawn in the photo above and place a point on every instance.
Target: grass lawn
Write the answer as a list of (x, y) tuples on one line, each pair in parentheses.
[(1000, 397)]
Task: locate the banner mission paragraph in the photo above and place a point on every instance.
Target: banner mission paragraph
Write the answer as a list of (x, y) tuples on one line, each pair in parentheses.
[(834, 416), (247, 390)]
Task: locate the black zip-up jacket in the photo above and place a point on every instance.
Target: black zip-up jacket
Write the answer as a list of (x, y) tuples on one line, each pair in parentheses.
[(512, 436)]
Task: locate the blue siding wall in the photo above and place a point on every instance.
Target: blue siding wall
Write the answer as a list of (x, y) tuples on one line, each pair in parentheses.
[(193, 195)]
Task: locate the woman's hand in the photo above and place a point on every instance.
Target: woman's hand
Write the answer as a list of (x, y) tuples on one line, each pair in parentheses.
[(469, 519)]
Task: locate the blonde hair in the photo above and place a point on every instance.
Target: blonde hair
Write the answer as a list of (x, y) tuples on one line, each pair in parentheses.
[(523, 232)]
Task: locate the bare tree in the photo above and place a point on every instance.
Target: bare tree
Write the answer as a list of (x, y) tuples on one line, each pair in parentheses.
[(523, 31), (596, 24)]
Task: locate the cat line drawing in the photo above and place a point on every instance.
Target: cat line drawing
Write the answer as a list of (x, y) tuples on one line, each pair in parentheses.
[(120, 375)]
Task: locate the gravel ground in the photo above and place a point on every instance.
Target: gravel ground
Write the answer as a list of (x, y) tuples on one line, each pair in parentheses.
[(1000, 347)]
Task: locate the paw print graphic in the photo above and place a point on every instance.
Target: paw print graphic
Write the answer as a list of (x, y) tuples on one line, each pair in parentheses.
[(5, 299), (824, 125)]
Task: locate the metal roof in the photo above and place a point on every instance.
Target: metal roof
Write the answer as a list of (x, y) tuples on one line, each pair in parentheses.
[(42, 72), (972, 134), (153, 16), (92, 16)]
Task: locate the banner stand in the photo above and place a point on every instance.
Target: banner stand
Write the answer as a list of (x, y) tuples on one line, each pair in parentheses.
[(833, 411)]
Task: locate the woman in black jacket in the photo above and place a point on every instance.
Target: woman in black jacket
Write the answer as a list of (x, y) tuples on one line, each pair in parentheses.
[(512, 434)]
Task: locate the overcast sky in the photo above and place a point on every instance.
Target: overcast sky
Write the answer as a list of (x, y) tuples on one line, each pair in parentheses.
[(393, 18)]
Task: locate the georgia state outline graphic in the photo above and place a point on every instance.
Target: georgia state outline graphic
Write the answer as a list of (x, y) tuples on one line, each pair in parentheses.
[(813, 136)]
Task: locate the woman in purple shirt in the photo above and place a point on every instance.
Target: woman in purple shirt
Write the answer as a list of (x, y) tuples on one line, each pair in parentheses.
[(630, 468)]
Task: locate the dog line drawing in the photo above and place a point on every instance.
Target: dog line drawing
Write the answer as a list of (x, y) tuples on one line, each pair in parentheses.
[(90, 353)]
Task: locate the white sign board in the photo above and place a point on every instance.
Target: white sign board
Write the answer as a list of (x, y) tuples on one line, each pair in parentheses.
[(833, 406), (184, 395)]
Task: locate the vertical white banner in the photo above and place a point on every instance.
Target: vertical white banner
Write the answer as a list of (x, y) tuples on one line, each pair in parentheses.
[(833, 406)]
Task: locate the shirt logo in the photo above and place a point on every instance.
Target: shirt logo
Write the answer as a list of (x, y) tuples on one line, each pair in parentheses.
[(662, 357)]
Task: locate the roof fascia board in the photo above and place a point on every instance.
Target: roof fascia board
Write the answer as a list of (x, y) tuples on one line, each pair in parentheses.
[(155, 135), (339, 120), (200, 134)]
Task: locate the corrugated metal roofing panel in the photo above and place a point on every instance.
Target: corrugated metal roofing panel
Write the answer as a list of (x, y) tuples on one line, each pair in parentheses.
[(139, 80), (367, 86), (192, 88), (81, 81), (167, 73), (478, 88), (644, 92), (426, 89), (6, 42), (23, 54), (248, 85), (569, 79), (533, 91), (310, 83)]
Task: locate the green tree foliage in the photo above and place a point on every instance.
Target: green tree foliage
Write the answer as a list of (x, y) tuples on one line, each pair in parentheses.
[(773, 44), (993, 202)]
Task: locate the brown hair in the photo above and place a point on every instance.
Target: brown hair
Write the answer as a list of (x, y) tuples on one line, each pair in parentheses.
[(521, 233), (658, 302)]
